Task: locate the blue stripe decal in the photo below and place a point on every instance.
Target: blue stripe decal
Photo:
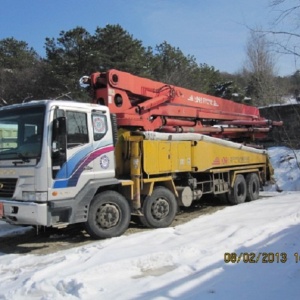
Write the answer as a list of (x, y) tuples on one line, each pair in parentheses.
[(70, 172)]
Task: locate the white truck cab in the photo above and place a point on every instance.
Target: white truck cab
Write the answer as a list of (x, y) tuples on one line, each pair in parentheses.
[(54, 156)]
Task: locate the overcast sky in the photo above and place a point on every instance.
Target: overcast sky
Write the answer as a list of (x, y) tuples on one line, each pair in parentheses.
[(213, 31)]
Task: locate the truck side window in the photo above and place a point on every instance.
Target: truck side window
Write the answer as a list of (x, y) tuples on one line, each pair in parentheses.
[(99, 126), (77, 130)]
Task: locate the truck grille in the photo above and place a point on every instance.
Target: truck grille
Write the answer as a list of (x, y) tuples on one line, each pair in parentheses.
[(7, 187)]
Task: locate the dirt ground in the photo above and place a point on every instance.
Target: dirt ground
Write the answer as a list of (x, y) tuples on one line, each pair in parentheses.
[(54, 240)]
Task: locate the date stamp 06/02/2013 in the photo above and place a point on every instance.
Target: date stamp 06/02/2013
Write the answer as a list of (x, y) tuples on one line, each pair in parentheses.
[(259, 257)]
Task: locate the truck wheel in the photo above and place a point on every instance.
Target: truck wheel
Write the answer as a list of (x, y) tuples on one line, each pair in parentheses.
[(159, 209), (253, 185), (238, 193), (109, 215)]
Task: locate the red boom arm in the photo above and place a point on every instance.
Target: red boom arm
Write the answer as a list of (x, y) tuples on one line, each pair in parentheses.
[(150, 105)]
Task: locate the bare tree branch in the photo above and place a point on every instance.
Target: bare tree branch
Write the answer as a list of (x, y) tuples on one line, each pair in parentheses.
[(286, 33), (285, 12)]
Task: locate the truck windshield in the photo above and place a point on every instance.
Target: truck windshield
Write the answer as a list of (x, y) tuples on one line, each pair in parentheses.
[(21, 133)]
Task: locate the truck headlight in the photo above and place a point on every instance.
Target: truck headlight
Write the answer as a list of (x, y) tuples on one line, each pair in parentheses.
[(35, 196)]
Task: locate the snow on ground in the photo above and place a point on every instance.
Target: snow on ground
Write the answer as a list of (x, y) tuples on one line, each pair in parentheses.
[(189, 261), (286, 164)]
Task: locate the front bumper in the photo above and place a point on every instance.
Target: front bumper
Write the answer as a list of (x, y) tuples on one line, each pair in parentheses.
[(24, 213)]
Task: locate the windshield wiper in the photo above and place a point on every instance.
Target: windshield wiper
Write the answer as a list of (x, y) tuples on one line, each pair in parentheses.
[(24, 158), (15, 154)]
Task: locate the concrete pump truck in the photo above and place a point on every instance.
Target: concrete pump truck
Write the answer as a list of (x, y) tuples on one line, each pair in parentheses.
[(141, 148)]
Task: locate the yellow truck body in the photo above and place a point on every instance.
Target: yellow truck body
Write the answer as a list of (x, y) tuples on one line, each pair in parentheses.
[(187, 156), (195, 163)]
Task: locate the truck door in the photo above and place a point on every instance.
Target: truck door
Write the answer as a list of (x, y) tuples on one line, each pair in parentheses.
[(71, 147)]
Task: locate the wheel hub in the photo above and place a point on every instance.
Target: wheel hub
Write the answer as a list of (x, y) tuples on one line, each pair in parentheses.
[(108, 216), (160, 208)]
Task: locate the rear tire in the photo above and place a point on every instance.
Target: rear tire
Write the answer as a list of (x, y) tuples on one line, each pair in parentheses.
[(159, 209), (109, 215), (238, 193), (253, 186)]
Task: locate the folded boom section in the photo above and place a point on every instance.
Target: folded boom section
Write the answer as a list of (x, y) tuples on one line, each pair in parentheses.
[(145, 104)]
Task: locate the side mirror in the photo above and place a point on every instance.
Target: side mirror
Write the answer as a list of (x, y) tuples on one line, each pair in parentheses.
[(84, 82), (58, 136), (59, 127)]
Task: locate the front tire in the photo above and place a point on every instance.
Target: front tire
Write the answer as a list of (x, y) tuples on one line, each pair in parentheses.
[(238, 193), (159, 209), (109, 215)]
